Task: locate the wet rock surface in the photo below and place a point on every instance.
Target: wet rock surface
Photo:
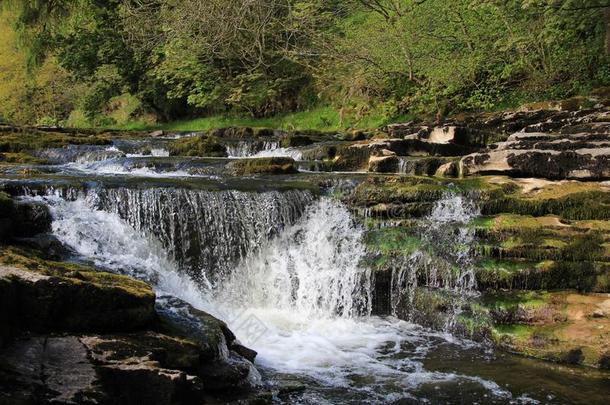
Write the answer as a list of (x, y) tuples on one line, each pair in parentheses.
[(79, 302), (71, 334)]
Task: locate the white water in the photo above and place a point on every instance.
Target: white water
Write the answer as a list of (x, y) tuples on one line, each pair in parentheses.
[(249, 149), (154, 152), (305, 293), (281, 152), (446, 232), (113, 168)]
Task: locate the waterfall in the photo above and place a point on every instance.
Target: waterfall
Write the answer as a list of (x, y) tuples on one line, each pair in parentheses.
[(244, 149), (250, 148), (205, 232), (297, 299), (111, 243), (313, 268), (79, 154), (444, 264)]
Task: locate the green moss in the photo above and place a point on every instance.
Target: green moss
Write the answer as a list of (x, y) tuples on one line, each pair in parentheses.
[(204, 146), (393, 241), (398, 190), (266, 165), (524, 299), (493, 274), (291, 141), (76, 273), (516, 331), (551, 326), (21, 157), (28, 140), (578, 206)]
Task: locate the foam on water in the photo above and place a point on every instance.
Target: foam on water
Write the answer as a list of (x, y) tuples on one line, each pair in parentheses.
[(281, 152), (114, 168), (252, 149), (305, 290)]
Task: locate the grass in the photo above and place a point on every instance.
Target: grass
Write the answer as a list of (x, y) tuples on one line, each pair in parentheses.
[(325, 118)]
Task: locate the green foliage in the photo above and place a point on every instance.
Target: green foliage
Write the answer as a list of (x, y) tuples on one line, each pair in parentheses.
[(370, 62)]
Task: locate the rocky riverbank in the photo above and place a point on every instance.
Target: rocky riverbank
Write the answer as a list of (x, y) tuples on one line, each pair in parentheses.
[(74, 334), (492, 227)]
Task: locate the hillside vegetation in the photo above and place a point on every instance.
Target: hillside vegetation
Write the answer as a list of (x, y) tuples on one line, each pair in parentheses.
[(338, 63)]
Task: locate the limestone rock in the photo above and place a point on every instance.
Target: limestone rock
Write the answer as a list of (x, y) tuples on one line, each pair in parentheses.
[(264, 165), (556, 157), (78, 302), (383, 164), (146, 367), (49, 369)]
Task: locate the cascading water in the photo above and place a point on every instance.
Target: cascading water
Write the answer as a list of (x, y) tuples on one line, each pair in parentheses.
[(245, 149), (444, 264), (304, 289), (205, 232), (313, 268), (287, 271), (79, 154), (250, 148), (110, 242)]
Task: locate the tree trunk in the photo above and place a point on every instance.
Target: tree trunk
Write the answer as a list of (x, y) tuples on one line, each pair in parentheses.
[(607, 14)]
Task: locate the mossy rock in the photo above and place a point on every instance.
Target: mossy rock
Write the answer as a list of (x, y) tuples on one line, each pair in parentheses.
[(57, 296), (393, 240), (20, 158), (567, 200), (545, 246), (29, 140), (201, 146), (397, 190), (435, 309), (348, 158), (563, 331), (294, 141), (22, 218), (265, 165), (235, 132), (520, 274)]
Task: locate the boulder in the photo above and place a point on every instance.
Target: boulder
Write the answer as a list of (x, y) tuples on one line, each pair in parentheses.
[(76, 301), (449, 169), (292, 141), (233, 132), (141, 368), (31, 218), (414, 166), (200, 145), (22, 218), (441, 134), (228, 364), (48, 245), (383, 164)]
